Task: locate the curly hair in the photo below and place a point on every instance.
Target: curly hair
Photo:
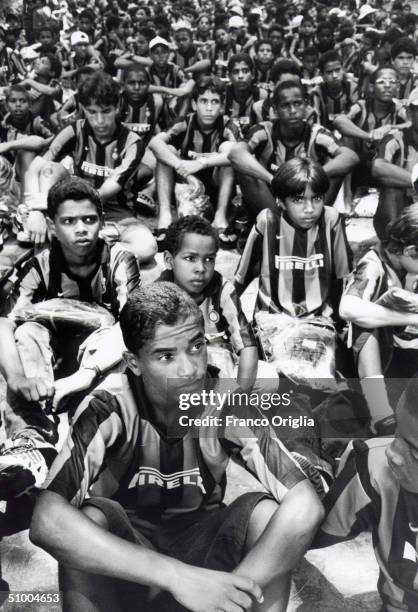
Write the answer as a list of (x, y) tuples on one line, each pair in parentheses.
[(189, 224)]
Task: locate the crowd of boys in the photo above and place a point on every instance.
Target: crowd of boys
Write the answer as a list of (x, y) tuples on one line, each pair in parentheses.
[(278, 118)]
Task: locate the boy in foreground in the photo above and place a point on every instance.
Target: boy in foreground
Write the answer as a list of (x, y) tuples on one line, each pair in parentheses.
[(178, 537)]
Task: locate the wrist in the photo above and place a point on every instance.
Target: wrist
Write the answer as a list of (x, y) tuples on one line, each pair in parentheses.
[(35, 201)]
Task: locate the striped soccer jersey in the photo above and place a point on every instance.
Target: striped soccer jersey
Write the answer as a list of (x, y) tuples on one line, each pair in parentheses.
[(173, 76), (264, 140), (115, 449), (298, 269), (47, 276), (222, 312), (141, 118), (32, 125), (186, 135), (366, 495), (329, 106), (400, 149), (117, 159), (243, 112)]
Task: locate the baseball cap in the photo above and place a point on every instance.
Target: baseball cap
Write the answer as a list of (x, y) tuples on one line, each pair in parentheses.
[(365, 10), (413, 98), (237, 10), (79, 37), (158, 40), (236, 22)]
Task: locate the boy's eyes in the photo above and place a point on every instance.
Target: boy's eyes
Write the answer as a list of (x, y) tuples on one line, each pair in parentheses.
[(72, 221), (194, 349)]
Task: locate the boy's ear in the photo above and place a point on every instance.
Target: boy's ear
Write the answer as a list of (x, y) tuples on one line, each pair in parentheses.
[(194, 106), (51, 225), (132, 362), (168, 260)]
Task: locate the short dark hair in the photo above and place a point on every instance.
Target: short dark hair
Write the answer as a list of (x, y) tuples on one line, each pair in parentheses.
[(402, 231), (113, 22), (212, 84), (310, 51), (327, 57), (275, 27), (135, 68), (73, 188), (87, 14), (88, 70), (403, 45), (101, 89), (18, 89), (324, 25), (379, 70), (189, 224), (240, 57), (56, 66), (295, 175), (159, 303), (287, 85), (285, 66), (147, 33), (260, 42)]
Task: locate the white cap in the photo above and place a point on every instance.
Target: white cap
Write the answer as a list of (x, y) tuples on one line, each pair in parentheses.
[(158, 40), (365, 10), (79, 37), (236, 22)]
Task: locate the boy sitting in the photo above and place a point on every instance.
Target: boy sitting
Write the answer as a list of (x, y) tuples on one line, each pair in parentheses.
[(78, 265), (377, 338), (300, 251), (191, 247), (135, 517), (202, 136), (103, 152)]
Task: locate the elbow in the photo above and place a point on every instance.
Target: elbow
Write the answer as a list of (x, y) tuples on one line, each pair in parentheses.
[(352, 159)]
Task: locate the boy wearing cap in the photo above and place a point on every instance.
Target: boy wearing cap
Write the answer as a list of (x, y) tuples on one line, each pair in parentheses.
[(82, 54), (187, 56), (393, 167)]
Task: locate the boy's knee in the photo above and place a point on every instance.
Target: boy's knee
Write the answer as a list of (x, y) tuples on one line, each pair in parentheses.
[(260, 518), (96, 515), (31, 331), (140, 241)]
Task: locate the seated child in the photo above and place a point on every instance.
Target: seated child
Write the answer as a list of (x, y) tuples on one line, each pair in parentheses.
[(300, 251), (191, 247), (44, 87), (377, 335), (78, 265), (200, 136)]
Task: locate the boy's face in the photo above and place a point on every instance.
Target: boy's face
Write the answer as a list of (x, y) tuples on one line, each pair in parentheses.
[(194, 265), (204, 25), (310, 63), (276, 39), (77, 226), (81, 49), (265, 53), (46, 39), (241, 76), (409, 259), (404, 63), (221, 37), (386, 85), (305, 209), (291, 107), (184, 41), (333, 74), (325, 40), (141, 44), (18, 105), (159, 55), (402, 454), (208, 108), (86, 25), (42, 66), (136, 86), (172, 363), (102, 120), (306, 28)]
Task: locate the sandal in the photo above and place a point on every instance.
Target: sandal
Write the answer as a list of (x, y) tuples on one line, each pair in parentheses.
[(146, 205), (227, 237), (160, 235)]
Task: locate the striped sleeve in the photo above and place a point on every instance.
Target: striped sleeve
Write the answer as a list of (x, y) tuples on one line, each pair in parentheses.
[(351, 501), (175, 135), (231, 132), (131, 156), (29, 287), (250, 262), (257, 138), (389, 149), (366, 279), (62, 145), (341, 252), (96, 427), (327, 142), (125, 274), (260, 452), (354, 113), (240, 329)]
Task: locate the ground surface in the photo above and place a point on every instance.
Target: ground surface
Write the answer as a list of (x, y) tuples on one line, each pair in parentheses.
[(341, 578)]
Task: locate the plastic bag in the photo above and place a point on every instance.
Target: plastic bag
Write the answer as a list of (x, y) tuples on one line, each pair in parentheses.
[(66, 313), (402, 300), (301, 349), (189, 204)]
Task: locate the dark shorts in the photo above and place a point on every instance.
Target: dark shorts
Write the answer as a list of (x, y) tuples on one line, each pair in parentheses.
[(213, 539)]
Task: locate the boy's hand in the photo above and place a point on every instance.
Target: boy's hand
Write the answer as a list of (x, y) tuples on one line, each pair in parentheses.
[(202, 590), (32, 389), (186, 168), (37, 227)]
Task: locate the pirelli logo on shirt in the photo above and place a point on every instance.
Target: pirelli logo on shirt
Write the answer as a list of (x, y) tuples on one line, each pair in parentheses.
[(151, 476), (291, 262), (94, 169)]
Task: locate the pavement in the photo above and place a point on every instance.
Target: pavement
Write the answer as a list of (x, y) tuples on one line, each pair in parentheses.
[(340, 578)]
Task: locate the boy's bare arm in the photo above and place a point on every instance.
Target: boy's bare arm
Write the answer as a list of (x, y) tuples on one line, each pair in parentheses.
[(243, 161), (342, 163), (76, 541)]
